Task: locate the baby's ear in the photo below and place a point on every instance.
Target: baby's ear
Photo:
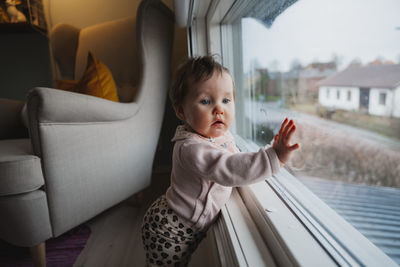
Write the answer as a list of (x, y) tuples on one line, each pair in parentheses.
[(179, 112)]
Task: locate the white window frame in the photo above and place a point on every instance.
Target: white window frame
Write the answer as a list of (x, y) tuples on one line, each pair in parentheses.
[(293, 226)]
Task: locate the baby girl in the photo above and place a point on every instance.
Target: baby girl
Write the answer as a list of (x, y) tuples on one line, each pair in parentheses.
[(206, 163)]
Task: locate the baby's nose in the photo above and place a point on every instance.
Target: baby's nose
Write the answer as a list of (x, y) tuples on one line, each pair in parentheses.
[(218, 110)]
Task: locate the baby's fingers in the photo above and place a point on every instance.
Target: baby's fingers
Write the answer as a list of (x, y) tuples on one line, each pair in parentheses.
[(287, 128), (290, 133), (281, 130)]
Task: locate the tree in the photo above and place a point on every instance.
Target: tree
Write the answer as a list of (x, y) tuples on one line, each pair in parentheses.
[(295, 65), (263, 84), (338, 59), (356, 62), (274, 66)]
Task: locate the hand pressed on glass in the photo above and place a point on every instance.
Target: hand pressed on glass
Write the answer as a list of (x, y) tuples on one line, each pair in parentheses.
[(281, 143)]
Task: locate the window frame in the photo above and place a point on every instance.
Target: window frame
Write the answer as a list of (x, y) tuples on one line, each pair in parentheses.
[(321, 234)]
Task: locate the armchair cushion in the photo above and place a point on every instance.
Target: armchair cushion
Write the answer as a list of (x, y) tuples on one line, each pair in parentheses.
[(97, 80), (20, 170)]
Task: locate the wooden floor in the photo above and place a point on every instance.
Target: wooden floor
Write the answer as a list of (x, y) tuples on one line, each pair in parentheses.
[(115, 239)]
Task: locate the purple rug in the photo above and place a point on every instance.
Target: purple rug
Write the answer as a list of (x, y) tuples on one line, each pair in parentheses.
[(60, 252)]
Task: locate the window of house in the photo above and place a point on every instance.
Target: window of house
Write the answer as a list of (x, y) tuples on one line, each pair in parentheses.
[(382, 99), (280, 58), (327, 93), (338, 94), (348, 95)]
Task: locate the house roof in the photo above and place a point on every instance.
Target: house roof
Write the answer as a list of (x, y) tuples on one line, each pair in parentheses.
[(372, 210), (376, 76), (316, 73)]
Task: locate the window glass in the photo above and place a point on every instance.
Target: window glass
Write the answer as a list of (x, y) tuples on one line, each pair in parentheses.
[(292, 66), (382, 98)]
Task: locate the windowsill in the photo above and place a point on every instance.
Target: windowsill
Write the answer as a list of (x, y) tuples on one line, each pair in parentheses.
[(281, 222)]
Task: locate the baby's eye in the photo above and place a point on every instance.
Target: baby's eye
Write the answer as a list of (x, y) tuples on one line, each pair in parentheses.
[(226, 101), (205, 101)]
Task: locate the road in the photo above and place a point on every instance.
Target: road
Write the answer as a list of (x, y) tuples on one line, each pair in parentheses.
[(271, 114)]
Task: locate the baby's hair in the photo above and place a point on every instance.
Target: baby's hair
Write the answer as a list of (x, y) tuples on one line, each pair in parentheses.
[(192, 71)]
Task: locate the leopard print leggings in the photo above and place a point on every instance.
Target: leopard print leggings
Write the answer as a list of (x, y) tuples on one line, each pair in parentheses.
[(167, 240)]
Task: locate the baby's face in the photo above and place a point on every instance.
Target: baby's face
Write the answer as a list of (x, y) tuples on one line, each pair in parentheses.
[(209, 107)]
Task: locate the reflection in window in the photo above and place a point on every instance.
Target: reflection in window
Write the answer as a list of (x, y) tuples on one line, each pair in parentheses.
[(290, 65)]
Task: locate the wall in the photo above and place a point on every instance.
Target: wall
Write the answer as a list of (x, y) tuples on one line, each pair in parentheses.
[(89, 12), (342, 102), (25, 63), (375, 108), (396, 99), (85, 13)]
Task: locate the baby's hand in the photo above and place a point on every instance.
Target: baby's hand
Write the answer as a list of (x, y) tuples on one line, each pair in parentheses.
[(282, 140)]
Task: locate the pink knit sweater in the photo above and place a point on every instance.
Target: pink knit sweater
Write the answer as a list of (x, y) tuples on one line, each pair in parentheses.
[(205, 170)]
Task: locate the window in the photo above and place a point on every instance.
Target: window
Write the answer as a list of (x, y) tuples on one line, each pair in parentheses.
[(264, 45), (327, 93), (332, 155), (382, 99)]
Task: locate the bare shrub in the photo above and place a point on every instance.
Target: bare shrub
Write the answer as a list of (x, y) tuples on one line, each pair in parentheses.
[(333, 154)]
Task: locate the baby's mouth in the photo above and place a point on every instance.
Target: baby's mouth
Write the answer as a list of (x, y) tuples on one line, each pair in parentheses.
[(218, 122)]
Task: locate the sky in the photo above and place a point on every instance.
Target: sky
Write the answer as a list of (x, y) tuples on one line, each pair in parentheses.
[(315, 30)]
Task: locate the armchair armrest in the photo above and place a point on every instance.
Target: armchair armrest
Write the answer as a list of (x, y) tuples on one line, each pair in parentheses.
[(11, 125), (47, 105), (52, 106)]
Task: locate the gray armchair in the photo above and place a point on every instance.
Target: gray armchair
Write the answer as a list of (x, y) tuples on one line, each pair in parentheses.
[(87, 153)]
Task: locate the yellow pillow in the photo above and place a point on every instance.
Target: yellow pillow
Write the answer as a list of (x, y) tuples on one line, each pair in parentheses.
[(96, 81), (67, 85)]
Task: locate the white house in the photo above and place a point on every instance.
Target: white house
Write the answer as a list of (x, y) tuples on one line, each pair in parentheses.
[(372, 89)]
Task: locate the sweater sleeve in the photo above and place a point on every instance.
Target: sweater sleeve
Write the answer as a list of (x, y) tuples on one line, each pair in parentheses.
[(229, 169)]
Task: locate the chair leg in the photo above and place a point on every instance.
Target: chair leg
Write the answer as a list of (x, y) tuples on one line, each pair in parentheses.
[(38, 253)]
